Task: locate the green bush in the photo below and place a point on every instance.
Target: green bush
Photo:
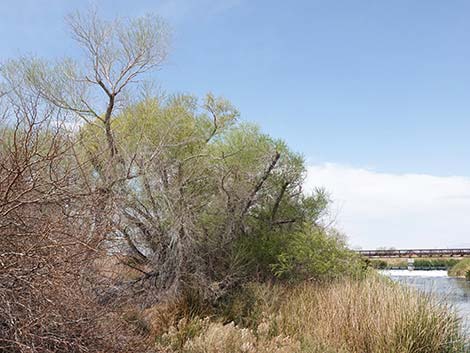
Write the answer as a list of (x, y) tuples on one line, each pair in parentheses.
[(378, 264), (313, 253), (307, 253)]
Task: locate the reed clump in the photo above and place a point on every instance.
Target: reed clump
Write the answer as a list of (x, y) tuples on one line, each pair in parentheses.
[(460, 269), (348, 316)]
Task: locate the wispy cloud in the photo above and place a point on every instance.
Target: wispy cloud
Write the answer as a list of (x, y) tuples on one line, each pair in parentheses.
[(401, 210)]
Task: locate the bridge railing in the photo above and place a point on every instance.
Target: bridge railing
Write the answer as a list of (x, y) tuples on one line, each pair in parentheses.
[(416, 253)]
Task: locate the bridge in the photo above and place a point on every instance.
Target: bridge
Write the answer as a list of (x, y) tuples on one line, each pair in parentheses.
[(413, 253)]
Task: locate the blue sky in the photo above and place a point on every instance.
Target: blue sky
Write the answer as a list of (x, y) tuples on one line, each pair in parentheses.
[(376, 85)]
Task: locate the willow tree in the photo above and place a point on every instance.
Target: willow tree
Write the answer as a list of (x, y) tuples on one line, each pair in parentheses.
[(177, 183), (202, 184)]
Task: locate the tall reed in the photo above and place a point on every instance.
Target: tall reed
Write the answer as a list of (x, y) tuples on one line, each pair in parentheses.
[(368, 316)]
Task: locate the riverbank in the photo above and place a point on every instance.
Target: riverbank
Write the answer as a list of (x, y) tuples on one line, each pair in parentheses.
[(347, 316), (419, 263)]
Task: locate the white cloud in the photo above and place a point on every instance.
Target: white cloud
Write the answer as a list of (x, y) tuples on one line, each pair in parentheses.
[(401, 210)]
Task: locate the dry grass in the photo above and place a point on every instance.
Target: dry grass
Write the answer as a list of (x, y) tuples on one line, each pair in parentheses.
[(370, 316), (461, 269)]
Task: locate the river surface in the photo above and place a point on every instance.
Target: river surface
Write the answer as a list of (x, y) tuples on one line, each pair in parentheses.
[(454, 290)]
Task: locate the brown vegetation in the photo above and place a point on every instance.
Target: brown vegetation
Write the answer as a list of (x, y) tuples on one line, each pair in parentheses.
[(43, 251)]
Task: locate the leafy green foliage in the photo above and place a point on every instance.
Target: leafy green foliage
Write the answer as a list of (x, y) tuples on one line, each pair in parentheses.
[(314, 254)]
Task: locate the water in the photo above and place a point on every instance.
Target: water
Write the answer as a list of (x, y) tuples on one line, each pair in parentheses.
[(454, 290)]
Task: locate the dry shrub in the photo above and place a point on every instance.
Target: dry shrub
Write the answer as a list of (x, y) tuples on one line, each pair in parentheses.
[(42, 250), (203, 336), (49, 287), (230, 338)]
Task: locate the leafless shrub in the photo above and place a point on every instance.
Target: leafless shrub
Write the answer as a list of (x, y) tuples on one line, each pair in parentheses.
[(47, 247), (56, 205)]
